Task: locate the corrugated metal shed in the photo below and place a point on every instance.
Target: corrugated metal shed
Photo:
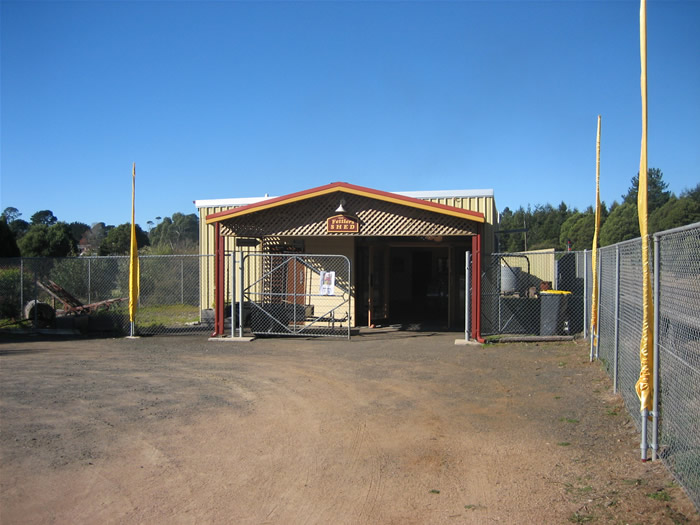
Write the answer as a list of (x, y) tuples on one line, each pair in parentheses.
[(480, 201)]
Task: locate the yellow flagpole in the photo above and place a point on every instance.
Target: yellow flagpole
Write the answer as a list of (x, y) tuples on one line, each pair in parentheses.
[(594, 259), (134, 276), (644, 386)]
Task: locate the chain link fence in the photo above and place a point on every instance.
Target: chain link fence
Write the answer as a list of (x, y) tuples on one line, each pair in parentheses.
[(515, 301), (676, 265), (679, 354), (90, 294), (538, 293)]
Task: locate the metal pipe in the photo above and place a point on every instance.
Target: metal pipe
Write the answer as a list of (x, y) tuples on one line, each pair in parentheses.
[(585, 292), (240, 294), (467, 293), (349, 281), (656, 374), (643, 442), (597, 324), (233, 293), (21, 286), (182, 281), (585, 300), (89, 280), (616, 317)]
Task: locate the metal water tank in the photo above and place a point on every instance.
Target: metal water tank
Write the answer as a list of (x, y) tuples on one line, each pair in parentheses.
[(510, 278)]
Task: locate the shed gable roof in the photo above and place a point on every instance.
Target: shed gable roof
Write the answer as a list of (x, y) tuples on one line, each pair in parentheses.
[(350, 189)]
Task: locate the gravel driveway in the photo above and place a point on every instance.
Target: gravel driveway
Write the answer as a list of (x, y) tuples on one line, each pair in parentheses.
[(388, 428)]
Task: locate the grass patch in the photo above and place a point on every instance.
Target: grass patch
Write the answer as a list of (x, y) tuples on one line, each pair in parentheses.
[(581, 518), (660, 495), (434, 491), (170, 315), (568, 420), (635, 482), (563, 444), (612, 412), (557, 397)]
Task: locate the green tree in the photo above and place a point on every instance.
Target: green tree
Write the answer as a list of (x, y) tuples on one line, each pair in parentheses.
[(177, 235), (578, 229), (8, 244), (10, 214), (77, 230), (509, 221), (47, 241), (92, 238), (19, 228), (676, 212), (621, 225), (118, 240), (657, 194), (693, 193), (44, 217)]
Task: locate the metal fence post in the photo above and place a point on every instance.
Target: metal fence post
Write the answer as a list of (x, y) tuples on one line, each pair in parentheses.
[(585, 294), (21, 285), (233, 293), (240, 295), (596, 336), (616, 317), (36, 299), (89, 280), (182, 281), (467, 294), (655, 372)]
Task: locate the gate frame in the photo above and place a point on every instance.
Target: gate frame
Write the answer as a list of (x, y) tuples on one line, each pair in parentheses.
[(240, 296)]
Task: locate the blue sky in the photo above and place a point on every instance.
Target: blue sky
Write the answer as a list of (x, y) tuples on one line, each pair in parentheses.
[(238, 99)]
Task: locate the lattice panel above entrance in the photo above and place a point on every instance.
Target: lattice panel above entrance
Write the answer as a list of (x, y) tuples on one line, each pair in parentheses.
[(377, 218)]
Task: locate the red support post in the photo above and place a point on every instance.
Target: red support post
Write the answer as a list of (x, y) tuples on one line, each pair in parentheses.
[(476, 286), (219, 281)]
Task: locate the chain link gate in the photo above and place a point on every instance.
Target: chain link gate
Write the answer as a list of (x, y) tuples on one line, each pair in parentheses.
[(294, 294)]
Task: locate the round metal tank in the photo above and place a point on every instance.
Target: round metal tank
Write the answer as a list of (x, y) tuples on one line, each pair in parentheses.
[(510, 278)]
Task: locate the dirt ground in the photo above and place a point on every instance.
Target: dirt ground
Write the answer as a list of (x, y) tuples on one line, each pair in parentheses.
[(389, 428)]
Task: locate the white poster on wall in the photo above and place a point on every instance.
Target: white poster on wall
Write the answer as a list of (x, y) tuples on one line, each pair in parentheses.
[(327, 283)]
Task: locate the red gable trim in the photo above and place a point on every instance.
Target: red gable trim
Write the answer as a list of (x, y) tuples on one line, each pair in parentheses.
[(347, 188)]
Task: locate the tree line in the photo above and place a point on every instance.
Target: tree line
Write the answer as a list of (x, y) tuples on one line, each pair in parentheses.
[(561, 228), (45, 236), (541, 227)]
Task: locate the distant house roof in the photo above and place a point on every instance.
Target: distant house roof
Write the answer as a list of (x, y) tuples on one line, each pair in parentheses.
[(406, 198)]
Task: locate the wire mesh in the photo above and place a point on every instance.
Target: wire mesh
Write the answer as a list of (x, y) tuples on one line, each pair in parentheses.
[(607, 311), (630, 325), (514, 297), (679, 355), (90, 294), (169, 295), (296, 294)]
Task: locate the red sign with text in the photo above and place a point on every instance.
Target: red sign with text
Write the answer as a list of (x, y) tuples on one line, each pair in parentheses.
[(342, 224)]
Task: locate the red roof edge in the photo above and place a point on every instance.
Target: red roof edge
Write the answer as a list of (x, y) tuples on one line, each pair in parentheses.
[(340, 186)]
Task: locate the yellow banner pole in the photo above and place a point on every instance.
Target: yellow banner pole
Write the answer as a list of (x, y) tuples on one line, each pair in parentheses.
[(134, 276), (644, 386), (594, 260)]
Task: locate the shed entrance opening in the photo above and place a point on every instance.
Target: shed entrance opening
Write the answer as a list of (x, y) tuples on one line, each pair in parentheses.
[(410, 282)]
